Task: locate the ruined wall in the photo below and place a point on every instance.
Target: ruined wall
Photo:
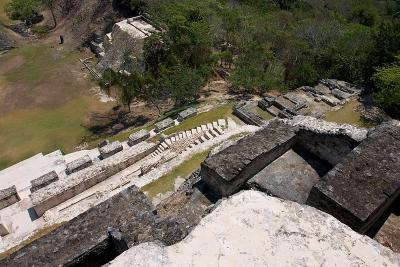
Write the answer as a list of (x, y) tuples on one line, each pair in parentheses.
[(129, 213)]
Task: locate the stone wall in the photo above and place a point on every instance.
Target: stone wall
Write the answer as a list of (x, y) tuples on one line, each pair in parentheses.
[(227, 171), (367, 181), (64, 189), (93, 235)]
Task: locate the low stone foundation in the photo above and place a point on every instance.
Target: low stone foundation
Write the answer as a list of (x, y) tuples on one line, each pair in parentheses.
[(243, 113), (78, 165), (110, 149), (165, 124), (43, 181), (8, 197), (64, 189), (186, 114), (138, 137)]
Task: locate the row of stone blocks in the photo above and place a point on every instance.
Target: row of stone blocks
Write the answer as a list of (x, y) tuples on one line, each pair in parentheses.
[(284, 107), (242, 111), (168, 122), (64, 189), (187, 139)]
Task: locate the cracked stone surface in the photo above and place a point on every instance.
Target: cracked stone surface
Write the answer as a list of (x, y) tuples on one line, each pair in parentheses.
[(253, 229)]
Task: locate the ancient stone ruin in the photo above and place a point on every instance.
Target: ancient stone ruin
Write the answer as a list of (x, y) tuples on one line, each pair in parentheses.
[(320, 184), (122, 48)]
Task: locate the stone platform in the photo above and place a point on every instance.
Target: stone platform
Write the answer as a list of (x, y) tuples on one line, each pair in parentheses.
[(64, 189), (252, 229)]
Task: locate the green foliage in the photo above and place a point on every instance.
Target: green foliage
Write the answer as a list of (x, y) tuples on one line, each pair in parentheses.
[(22, 9), (387, 81), (366, 14)]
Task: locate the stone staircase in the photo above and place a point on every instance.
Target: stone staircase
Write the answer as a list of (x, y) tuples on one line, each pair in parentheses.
[(177, 143), (184, 140)]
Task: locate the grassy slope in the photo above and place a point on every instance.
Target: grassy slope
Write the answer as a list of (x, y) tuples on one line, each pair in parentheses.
[(167, 182)]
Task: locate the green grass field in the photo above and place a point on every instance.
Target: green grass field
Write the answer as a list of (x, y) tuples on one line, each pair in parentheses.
[(167, 182), (348, 114), (44, 100)]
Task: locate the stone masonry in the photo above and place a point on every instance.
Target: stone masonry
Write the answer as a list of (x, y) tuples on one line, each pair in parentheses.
[(8, 197), (43, 181), (110, 149), (360, 189), (162, 125), (64, 189), (129, 214), (78, 164), (227, 171), (186, 114), (138, 137)]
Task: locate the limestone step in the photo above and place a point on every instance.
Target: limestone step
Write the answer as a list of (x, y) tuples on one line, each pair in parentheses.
[(202, 139), (215, 124), (209, 126), (188, 133), (180, 135), (168, 141), (197, 142), (208, 135), (173, 139), (204, 127), (164, 145), (194, 131), (213, 133), (219, 130), (199, 130), (222, 123)]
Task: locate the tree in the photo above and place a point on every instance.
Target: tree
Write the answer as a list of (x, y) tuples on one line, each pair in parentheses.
[(387, 82), (22, 9)]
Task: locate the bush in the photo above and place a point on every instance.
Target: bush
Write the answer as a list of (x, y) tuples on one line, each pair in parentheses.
[(387, 82)]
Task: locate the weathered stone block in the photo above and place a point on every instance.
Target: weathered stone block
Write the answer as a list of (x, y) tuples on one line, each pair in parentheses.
[(138, 137), (227, 171), (43, 181), (3, 228), (162, 125), (110, 149), (8, 197), (340, 94), (288, 177), (78, 164), (103, 143), (186, 114), (360, 189), (243, 113), (282, 103)]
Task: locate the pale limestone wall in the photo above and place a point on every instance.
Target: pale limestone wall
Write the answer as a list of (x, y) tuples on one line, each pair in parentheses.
[(253, 229), (64, 189)]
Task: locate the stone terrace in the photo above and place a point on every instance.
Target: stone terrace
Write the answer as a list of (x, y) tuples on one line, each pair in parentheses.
[(361, 188), (64, 189)]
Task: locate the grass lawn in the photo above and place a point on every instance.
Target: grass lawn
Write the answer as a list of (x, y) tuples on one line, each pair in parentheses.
[(167, 182), (222, 112), (44, 98), (348, 114)]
